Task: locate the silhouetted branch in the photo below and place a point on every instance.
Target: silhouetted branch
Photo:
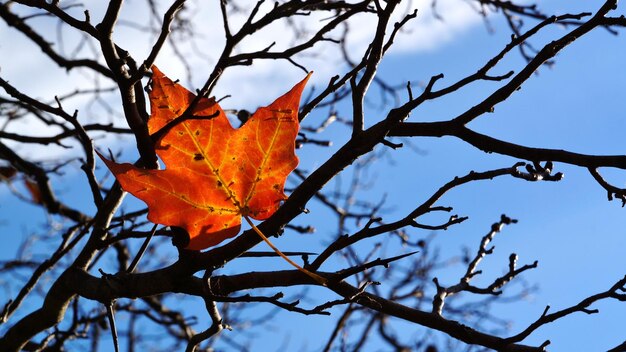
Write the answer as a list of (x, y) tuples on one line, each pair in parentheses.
[(361, 239)]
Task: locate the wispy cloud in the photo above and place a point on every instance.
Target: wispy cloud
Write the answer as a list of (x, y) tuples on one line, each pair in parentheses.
[(30, 71)]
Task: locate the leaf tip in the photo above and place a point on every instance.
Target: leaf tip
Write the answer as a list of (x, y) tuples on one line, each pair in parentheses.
[(307, 76), (155, 70)]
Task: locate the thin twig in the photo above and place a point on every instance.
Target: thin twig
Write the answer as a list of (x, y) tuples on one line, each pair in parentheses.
[(142, 250)]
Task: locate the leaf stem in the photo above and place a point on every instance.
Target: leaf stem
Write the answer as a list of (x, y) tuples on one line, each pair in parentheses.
[(317, 278)]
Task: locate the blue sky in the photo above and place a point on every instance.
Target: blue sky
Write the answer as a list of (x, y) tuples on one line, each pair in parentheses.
[(569, 227)]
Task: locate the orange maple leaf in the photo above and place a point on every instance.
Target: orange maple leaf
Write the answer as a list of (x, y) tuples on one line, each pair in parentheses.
[(214, 174)]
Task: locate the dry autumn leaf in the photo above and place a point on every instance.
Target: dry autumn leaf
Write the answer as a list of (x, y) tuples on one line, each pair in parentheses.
[(7, 172), (214, 174), (33, 189)]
